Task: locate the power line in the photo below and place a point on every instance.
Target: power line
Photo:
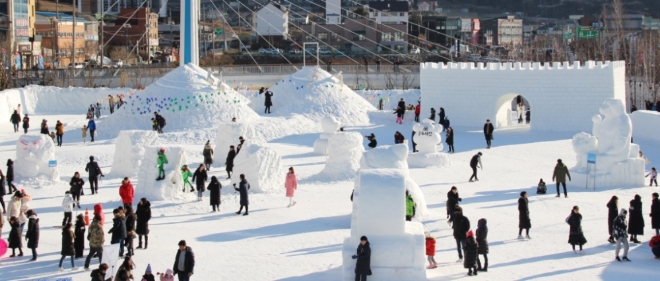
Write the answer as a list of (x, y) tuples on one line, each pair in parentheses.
[(239, 39)]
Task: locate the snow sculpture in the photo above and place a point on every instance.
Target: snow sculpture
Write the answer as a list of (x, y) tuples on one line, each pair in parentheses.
[(344, 152), (262, 167), (32, 155), (130, 148), (227, 135), (429, 143), (379, 210), (167, 189), (329, 125), (616, 161)]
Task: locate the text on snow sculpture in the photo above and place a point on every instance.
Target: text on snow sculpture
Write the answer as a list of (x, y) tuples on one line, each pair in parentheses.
[(427, 136), (32, 155)]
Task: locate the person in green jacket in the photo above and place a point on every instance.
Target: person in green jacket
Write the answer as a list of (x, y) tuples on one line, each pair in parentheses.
[(410, 207), (560, 174), (162, 160), (186, 173)]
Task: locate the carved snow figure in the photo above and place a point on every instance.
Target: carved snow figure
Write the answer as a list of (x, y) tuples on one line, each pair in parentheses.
[(32, 155), (429, 144), (344, 153), (329, 125)]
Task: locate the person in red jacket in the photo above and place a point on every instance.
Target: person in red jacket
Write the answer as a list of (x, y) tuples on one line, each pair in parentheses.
[(418, 109), (126, 191), (430, 250), (98, 210)]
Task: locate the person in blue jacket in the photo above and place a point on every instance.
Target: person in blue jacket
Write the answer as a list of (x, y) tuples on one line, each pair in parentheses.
[(91, 125)]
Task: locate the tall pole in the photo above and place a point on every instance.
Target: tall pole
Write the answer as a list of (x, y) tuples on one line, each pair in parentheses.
[(73, 55)]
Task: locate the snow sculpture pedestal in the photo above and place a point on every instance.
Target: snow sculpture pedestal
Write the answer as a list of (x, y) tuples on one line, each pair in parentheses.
[(32, 155), (379, 209), (262, 167), (429, 143), (171, 187), (617, 162), (228, 134), (129, 150), (329, 125), (344, 153)]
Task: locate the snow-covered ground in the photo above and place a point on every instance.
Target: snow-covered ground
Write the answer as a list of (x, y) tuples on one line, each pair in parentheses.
[(304, 242)]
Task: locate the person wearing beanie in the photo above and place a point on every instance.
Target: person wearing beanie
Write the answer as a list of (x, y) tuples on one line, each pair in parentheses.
[(471, 249), (524, 221), (430, 250), (363, 257), (482, 244), (461, 226), (184, 262), (148, 276), (96, 238), (620, 235)]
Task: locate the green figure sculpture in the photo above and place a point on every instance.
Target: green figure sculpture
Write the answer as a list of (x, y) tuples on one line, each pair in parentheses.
[(162, 160), (186, 174)]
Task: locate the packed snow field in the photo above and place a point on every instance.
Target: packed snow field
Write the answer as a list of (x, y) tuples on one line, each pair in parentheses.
[(304, 242)]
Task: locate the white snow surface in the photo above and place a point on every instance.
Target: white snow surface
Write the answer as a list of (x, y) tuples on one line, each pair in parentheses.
[(171, 187), (132, 144), (262, 167)]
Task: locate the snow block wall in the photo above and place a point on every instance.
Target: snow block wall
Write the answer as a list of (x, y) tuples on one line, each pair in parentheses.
[(32, 155), (562, 97), (344, 153), (171, 187), (130, 147), (227, 135), (262, 167), (397, 246), (646, 125), (329, 126)]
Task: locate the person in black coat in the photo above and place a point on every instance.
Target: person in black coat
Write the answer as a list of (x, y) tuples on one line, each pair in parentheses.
[(612, 213), (76, 189), (3, 191), (131, 219), (655, 213), (188, 266), (524, 221), (268, 102), (449, 139), (471, 253), (143, 216), (243, 188), (363, 257), (67, 245), (636, 221), (432, 114), (402, 105), (452, 203), (575, 236), (214, 187), (441, 117), (475, 163), (461, 226), (118, 230), (229, 163), (32, 234), (44, 127), (199, 177), (10, 176), (15, 236), (94, 171), (15, 119), (26, 123), (372, 140), (79, 232), (488, 132), (482, 242)]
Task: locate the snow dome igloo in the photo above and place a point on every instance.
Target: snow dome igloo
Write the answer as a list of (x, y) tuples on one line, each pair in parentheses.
[(32, 155), (187, 97)]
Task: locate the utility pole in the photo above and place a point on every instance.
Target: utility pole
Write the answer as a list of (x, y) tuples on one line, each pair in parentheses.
[(73, 55)]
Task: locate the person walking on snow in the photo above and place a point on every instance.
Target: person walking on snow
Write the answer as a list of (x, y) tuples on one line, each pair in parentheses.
[(475, 163), (214, 198), (10, 176), (111, 103), (118, 230), (576, 236), (399, 111), (161, 161), (15, 234), (94, 171), (229, 162), (482, 244), (452, 203), (363, 257), (59, 132), (559, 176), (76, 189), (402, 105), (186, 174), (488, 132), (84, 133), (91, 125), (612, 213), (471, 250), (655, 213), (67, 205), (184, 262), (96, 238), (636, 224), (143, 214), (524, 221), (126, 192), (200, 177), (15, 119), (79, 233), (410, 207), (268, 101), (461, 226), (67, 246), (620, 235), (208, 155), (32, 234), (441, 118), (130, 230), (430, 250), (243, 188), (26, 123), (291, 184), (418, 110), (654, 177), (449, 139)]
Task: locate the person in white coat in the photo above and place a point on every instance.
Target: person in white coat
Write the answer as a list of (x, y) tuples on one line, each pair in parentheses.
[(14, 206), (67, 205), (25, 206)]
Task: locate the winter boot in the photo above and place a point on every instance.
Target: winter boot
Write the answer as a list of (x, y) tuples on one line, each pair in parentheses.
[(146, 242), (617, 258), (475, 271), (140, 242), (625, 258), (469, 271), (485, 267)]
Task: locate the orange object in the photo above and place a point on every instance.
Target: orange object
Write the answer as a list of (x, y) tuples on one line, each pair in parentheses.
[(86, 216)]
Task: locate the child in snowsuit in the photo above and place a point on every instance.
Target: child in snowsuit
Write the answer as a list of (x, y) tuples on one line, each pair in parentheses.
[(67, 205), (470, 253), (167, 276), (186, 174), (154, 124), (148, 276), (654, 177), (52, 136), (162, 160), (84, 133), (430, 250), (541, 189), (399, 114)]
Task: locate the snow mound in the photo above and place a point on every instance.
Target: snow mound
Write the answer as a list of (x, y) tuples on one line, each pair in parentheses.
[(130, 147), (646, 125), (32, 155), (329, 126), (228, 134), (262, 167), (315, 93), (344, 153), (167, 189), (185, 98)]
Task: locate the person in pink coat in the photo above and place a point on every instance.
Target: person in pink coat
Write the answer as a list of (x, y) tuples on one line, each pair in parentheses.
[(291, 185)]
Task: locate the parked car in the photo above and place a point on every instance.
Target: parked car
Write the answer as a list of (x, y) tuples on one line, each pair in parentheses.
[(264, 51), (415, 51), (77, 65), (117, 63), (324, 51)]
